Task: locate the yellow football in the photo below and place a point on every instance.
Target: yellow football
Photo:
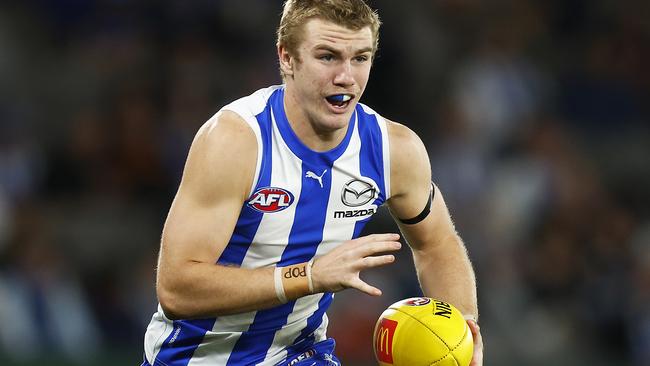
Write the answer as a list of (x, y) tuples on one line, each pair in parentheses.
[(421, 331)]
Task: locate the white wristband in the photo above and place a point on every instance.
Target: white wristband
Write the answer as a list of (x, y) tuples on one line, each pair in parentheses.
[(279, 287), (311, 283)]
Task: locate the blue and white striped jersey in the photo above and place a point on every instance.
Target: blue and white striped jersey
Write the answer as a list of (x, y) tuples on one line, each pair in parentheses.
[(302, 205)]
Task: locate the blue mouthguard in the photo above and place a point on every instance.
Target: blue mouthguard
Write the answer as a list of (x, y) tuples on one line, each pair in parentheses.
[(337, 97)]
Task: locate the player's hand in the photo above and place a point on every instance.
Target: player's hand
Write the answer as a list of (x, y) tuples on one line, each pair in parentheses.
[(477, 358), (340, 268)]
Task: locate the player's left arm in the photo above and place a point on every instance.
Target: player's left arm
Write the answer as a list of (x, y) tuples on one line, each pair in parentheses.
[(441, 260)]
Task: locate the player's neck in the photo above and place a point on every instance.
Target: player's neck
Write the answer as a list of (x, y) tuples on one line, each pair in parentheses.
[(312, 134)]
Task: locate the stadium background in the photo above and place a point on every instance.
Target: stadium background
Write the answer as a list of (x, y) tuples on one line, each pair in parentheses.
[(535, 114)]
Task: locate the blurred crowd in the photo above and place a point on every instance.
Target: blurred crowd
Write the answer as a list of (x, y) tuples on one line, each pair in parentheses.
[(536, 116)]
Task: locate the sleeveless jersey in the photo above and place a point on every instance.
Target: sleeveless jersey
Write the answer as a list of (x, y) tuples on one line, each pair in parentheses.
[(302, 205)]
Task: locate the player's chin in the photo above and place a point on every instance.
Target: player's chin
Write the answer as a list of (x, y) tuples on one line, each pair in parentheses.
[(337, 121)]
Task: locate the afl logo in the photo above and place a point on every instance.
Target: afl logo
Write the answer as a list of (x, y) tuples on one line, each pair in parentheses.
[(417, 301), (270, 199), (357, 193)]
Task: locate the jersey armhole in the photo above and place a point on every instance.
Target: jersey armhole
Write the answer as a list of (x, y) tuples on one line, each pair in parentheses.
[(383, 126), (253, 125), (247, 109)]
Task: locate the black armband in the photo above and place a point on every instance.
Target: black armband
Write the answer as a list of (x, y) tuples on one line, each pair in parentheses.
[(424, 213)]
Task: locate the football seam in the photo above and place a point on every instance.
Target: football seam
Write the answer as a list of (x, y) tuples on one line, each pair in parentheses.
[(438, 360), (451, 349)]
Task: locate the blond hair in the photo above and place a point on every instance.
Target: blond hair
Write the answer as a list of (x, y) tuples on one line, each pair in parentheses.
[(352, 14)]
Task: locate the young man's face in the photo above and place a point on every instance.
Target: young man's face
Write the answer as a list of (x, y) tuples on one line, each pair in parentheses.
[(329, 74)]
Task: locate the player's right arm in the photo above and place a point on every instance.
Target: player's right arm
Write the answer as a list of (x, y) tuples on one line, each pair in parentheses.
[(218, 175)]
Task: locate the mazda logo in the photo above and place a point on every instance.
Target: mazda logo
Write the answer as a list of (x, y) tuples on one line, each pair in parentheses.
[(357, 193)]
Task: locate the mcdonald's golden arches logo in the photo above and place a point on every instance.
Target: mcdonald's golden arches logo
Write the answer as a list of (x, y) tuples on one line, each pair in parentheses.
[(384, 340)]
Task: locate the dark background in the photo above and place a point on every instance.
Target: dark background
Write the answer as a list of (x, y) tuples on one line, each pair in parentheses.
[(535, 115)]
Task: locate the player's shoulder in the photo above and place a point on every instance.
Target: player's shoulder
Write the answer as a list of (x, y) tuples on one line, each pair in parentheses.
[(405, 141), (251, 105), (409, 160), (235, 124), (224, 135), (397, 132), (223, 155)]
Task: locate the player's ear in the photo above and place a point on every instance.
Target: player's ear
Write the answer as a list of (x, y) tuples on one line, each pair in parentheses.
[(286, 60)]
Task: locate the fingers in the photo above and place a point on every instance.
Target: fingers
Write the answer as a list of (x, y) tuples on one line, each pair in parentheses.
[(477, 358), (476, 331), (376, 238), (340, 268), (377, 243), (364, 287), (370, 262), (378, 247)]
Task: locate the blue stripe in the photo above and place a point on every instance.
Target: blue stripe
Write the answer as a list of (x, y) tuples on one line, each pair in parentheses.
[(252, 345), (179, 347), (306, 233), (305, 236), (306, 337), (307, 230), (371, 158)]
